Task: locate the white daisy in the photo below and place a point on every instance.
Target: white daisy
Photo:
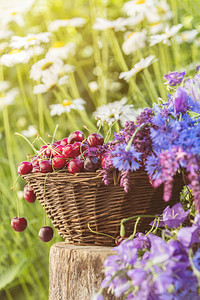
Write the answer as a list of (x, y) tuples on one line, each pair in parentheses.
[(61, 50), (5, 32), (7, 98), (93, 86), (134, 7), (35, 51), (46, 66), (155, 28), (12, 11), (115, 111), (30, 40), (134, 41), (75, 22), (187, 36), (118, 24), (49, 82), (31, 131), (4, 85), (164, 37), (67, 106), (142, 64), (14, 57), (69, 68)]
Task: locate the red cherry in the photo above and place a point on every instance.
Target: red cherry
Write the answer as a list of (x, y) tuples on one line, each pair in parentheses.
[(120, 239), (76, 136), (35, 161), (103, 162), (68, 151), (36, 169), (59, 161), (75, 166), (91, 164), (57, 142), (25, 167), (19, 224), (46, 234), (29, 194), (77, 148), (64, 142), (45, 166), (57, 150), (95, 139)]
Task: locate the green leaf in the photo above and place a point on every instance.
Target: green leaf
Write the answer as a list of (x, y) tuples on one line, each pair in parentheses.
[(11, 274)]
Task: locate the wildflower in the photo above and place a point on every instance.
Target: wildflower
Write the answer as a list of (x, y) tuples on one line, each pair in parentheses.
[(174, 78), (35, 51), (136, 7), (93, 86), (180, 100), (14, 57), (61, 50), (134, 41), (49, 81), (4, 85), (67, 106), (75, 22), (125, 159), (115, 111), (45, 67), (119, 24), (164, 37), (31, 131), (5, 33), (142, 64), (7, 98), (186, 36), (14, 12), (30, 40)]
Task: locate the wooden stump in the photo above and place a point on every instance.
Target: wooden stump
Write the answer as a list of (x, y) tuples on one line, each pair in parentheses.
[(76, 272)]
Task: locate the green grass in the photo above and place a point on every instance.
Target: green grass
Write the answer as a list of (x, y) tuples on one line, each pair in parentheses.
[(24, 258)]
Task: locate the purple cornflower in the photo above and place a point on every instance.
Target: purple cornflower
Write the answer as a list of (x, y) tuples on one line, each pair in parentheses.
[(125, 160), (180, 100), (174, 78)]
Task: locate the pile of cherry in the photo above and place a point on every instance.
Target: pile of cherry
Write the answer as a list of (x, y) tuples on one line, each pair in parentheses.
[(71, 154)]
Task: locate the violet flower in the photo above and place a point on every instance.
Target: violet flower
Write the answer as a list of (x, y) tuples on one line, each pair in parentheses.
[(180, 100), (174, 78), (125, 160)]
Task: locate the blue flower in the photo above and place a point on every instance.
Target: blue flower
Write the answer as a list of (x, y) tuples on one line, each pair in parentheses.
[(125, 160), (174, 78)]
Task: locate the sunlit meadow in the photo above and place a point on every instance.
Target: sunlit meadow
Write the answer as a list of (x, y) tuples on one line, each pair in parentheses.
[(73, 64)]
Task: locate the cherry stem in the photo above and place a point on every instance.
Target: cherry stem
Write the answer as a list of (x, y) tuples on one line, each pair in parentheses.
[(16, 133), (100, 232), (54, 134)]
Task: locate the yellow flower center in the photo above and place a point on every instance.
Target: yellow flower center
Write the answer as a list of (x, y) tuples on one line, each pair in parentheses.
[(154, 24), (130, 34), (184, 36), (58, 44), (140, 2), (66, 102), (52, 86), (31, 39), (13, 13), (14, 51), (46, 66)]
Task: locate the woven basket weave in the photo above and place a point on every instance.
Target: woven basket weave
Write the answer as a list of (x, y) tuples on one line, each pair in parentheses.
[(72, 201)]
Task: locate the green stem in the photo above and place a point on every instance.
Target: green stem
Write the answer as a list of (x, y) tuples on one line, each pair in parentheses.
[(135, 228), (21, 85), (100, 232)]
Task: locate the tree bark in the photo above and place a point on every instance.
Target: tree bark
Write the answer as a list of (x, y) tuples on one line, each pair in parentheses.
[(76, 272)]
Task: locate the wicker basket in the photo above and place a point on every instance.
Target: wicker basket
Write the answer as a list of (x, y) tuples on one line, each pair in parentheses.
[(73, 201)]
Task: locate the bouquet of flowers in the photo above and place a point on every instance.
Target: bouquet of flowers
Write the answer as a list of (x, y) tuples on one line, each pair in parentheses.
[(164, 263)]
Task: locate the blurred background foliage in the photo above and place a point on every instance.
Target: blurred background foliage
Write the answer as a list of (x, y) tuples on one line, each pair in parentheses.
[(100, 59)]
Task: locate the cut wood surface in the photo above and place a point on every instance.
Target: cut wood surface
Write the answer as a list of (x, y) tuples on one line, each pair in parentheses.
[(76, 272)]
